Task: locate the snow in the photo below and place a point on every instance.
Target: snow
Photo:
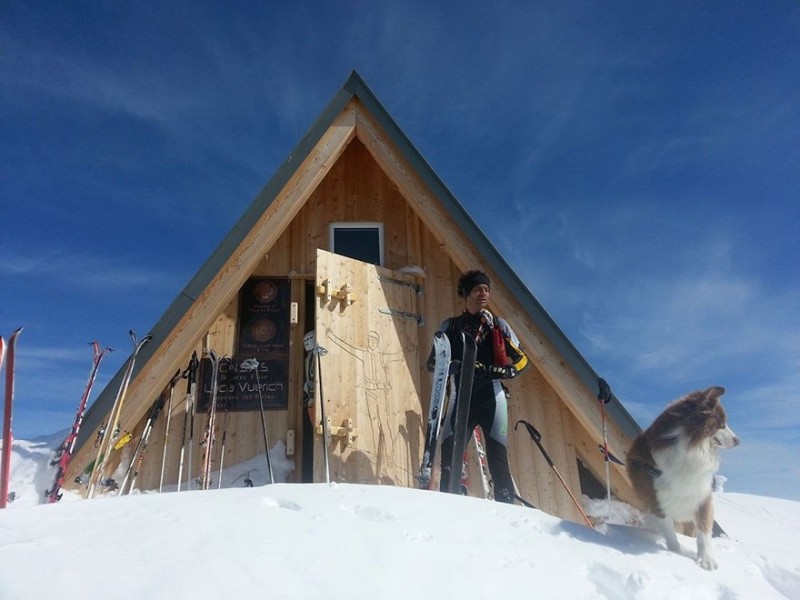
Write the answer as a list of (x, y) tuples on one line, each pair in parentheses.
[(335, 541)]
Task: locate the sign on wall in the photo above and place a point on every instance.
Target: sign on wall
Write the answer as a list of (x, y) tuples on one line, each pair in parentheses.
[(237, 388), (263, 334), (264, 317)]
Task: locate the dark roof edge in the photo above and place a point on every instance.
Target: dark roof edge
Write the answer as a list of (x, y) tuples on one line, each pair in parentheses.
[(177, 309), (498, 264), (353, 86)]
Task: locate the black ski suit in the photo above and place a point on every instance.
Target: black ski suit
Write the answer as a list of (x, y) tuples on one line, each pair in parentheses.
[(489, 404)]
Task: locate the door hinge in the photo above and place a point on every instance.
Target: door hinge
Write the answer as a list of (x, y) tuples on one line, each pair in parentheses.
[(420, 319)]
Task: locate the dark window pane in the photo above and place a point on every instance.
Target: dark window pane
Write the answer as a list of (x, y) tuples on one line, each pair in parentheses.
[(361, 243)]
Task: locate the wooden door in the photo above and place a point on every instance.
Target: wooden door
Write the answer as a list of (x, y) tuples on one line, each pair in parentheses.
[(370, 373)]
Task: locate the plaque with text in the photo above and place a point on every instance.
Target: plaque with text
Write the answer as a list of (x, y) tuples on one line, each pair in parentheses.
[(237, 388)]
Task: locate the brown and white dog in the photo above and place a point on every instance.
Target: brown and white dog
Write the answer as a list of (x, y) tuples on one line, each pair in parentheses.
[(672, 465)]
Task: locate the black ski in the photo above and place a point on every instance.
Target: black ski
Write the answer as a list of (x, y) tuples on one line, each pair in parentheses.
[(441, 353), (462, 404)]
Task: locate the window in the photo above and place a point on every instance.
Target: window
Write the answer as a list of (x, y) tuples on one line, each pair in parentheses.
[(362, 241)]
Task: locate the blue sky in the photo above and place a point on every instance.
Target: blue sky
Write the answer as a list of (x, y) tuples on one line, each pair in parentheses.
[(638, 165)]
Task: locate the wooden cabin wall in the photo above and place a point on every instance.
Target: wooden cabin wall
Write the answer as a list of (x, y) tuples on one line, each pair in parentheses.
[(356, 189)]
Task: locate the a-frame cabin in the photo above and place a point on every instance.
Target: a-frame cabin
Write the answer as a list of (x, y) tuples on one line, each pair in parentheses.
[(355, 186)]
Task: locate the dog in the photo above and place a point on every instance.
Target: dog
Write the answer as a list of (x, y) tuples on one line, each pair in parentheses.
[(672, 465)]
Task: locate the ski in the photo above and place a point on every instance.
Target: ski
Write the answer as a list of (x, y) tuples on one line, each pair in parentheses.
[(8, 436), (63, 456), (172, 383), (480, 450), (141, 446), (211, 424), (188, 418), (463, 399), (111, 430), (537, 439), (463, 487), (441, 353)]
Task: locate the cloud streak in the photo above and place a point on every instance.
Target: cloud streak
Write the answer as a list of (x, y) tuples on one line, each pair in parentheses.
[(82, 270)]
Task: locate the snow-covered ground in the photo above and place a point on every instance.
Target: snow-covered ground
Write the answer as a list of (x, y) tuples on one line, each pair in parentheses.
[(363, 542)]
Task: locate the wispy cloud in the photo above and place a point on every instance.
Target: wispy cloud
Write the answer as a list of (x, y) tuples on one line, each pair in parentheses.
[(83, 270), (664, 310)]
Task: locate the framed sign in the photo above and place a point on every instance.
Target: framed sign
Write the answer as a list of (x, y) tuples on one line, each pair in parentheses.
[(237, 388), (264, 305)]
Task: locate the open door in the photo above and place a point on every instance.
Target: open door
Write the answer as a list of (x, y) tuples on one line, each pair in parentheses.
[(367, 319)]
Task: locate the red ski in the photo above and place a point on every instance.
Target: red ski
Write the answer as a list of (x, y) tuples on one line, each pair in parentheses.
[(8, 437), (64, 453)]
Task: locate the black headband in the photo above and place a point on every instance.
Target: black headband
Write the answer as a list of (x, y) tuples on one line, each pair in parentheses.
[(476, 279)]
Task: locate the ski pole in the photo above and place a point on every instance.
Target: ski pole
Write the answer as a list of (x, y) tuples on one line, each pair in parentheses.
[(189, 375), (194, 367), (326, 432), (222, 447), (251, 364), (172, 383), (211, 425), (604, 396), (138, 453), (537, 438)]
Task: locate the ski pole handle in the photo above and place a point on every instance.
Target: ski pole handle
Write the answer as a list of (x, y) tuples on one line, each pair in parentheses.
[(536, 437), (604, 391)]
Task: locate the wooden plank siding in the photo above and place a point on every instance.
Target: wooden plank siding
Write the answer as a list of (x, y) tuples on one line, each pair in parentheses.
[(355, 174)]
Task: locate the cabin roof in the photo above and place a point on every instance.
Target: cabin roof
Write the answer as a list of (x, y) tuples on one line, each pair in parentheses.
[(355, 87)]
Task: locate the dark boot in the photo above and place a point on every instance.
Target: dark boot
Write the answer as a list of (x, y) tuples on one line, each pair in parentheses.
[(497, 457)]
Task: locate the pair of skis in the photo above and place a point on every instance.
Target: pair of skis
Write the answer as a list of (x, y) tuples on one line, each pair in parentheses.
[(441, 375), (8, 437), (190, 374), (111, 431), (64, 454), (209, 436), (132, 471)]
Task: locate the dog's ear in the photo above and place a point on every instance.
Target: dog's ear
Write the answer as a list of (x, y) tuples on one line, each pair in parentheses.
[(714, 393)]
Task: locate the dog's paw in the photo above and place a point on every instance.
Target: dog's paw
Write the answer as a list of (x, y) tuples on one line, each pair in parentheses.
[(707, 562)]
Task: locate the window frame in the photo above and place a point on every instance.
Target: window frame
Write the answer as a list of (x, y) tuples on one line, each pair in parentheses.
[(345, 225)]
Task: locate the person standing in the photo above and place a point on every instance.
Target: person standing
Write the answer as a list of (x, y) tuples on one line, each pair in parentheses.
[(499, 357)]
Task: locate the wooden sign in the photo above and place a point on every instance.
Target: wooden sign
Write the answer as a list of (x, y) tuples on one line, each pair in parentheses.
[(237, 388), (264, 305)]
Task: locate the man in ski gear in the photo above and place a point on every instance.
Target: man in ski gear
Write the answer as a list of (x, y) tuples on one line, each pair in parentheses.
[(498, 357)]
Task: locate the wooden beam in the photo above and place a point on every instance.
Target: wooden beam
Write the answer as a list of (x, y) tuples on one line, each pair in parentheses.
[(242, 261), (580, 400)]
